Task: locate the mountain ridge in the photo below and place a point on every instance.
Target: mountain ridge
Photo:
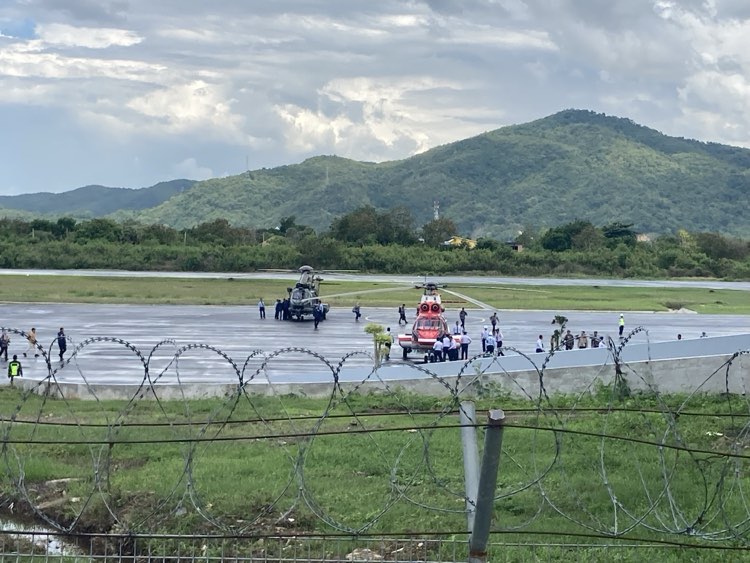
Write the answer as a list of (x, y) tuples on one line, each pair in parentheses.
[(575, 164)]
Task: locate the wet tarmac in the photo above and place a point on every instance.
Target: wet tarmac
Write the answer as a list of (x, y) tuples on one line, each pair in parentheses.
[(235, 333)]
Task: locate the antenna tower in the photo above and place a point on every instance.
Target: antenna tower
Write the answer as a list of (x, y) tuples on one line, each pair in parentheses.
[(436, 209)]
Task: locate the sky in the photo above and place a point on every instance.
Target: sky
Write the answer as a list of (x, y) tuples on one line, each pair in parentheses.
[(128, 93)]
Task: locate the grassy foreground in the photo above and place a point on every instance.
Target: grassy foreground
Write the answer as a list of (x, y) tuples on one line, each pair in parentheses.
[(229, 291), (385, 464)]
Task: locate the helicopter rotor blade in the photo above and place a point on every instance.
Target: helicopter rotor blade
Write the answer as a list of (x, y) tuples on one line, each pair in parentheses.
[(350, 293)]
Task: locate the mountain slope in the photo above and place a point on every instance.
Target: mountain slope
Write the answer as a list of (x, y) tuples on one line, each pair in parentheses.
[(95, 200), (572, 165)]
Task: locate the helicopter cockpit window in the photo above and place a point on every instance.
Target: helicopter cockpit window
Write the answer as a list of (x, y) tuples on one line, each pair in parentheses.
[(429, 324), (298, 294)]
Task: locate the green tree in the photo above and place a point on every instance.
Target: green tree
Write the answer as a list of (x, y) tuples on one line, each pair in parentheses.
[(99, 229), (360, 226), (617, 233), (560, 239), (64, 226), (437, 231)]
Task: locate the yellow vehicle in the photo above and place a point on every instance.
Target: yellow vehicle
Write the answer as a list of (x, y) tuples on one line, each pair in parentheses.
[(460, 241)]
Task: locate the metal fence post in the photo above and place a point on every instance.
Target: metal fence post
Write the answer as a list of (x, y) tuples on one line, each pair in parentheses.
[(468, 417), (493, 443)]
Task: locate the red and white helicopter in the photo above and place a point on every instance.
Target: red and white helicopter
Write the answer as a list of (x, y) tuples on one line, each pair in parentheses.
[(429, 324)]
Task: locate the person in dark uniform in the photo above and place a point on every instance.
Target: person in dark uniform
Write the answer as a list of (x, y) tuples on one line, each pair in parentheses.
[(402, 315), (317, 315), (62, 343), (4, 343), (277, 310)]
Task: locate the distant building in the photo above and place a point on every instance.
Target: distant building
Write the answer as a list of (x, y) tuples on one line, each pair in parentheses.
[(460, 241), (517, 246)]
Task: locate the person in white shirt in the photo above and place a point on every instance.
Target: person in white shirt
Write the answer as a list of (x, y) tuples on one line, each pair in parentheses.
[(465, 341), (437, 350), (453, 350), (489, 345), (485, 333), (446, 346), (457, 328), (262, 308), (540, 345)]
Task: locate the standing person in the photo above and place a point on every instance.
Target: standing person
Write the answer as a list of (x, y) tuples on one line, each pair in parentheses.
[(437, 350), (388, 344), (356, 311), (62, 342), (4, 342), (539, 345), (262, 308), (489, 344), (621, 324), (465, 341), (462, 315), (277, 310), (485, 334), (457, 328), (31, 337), (568, 340), (446, 346), (595, 340), (14, 369), (583, 340), (499, 341)]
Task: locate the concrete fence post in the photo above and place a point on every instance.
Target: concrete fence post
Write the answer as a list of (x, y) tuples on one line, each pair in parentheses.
[(468, 418), (493, 443)]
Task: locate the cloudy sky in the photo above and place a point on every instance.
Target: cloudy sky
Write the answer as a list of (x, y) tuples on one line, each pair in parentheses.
[(132, 92)]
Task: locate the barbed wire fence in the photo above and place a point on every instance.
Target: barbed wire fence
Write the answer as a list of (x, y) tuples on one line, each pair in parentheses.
[(606, 467)]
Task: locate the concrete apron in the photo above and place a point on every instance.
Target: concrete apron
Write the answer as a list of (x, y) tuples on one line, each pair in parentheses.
[(705, 365)]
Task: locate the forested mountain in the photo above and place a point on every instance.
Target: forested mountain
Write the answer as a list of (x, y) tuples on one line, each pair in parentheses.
[(572, 165), (95, 201)]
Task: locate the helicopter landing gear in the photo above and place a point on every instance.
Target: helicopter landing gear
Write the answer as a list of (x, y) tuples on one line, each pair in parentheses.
[(299, 317), (405, 354)]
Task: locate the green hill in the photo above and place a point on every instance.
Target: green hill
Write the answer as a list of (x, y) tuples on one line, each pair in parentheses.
[(572, 165), (95, 201)]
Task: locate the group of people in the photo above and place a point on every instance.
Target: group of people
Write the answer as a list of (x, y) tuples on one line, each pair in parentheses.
[(15, 368), (448, 347), (282, 311), (568, 341)]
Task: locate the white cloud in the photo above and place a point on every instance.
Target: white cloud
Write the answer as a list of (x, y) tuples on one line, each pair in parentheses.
[(92, 38), (369, 117), (195, 106), (191, 170), (377, 81)]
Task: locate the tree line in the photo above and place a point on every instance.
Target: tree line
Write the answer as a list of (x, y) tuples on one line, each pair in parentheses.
[(369, 240)]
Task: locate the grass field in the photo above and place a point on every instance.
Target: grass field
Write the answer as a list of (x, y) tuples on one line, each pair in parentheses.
[(385, 464), (67, 289), (382, 464)]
